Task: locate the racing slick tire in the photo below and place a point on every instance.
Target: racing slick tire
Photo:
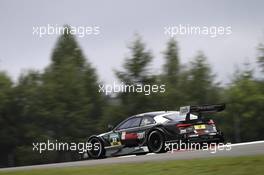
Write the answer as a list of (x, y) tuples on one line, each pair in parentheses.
[(156, 142), (97, 151)]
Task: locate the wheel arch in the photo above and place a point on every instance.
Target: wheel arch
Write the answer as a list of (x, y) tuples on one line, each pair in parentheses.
[(157, 128), (162, 133), (102, 143)]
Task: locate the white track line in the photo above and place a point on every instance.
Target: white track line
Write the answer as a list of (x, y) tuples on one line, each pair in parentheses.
[(235, 144), (247, 143), (127, 156), (150, 154)]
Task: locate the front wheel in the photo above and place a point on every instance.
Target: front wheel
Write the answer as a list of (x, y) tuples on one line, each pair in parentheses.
[(96, 150), (156, 142)]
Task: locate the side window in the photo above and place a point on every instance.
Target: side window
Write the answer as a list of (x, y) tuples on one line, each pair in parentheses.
[(147, 121), (133, 122)]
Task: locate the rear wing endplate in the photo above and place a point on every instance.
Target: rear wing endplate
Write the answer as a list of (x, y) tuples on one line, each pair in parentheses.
[(187, 110)]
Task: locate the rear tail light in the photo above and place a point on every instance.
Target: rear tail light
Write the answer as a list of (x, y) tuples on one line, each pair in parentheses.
[(211, 122), (184, 128), (183, 125)]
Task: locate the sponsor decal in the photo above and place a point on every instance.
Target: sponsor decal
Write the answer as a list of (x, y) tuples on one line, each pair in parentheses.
[(114, 139), (141, 135), (123, 135)]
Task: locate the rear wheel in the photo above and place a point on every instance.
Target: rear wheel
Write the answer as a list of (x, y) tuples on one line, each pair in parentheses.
[(156, 142), (97, 150)]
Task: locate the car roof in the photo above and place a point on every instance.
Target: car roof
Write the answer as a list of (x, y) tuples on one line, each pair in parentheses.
[(153, 114)]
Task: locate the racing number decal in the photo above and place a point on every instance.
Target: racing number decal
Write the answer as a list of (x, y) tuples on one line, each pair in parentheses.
[(114, 140)]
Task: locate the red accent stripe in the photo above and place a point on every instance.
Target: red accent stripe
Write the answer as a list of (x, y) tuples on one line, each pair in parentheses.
[(130, 136), (183, 125)]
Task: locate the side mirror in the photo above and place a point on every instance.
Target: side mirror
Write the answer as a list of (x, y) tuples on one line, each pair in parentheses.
[(110, 127)]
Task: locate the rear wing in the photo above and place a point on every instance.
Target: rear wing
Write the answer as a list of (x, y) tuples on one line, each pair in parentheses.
[(187, 110)]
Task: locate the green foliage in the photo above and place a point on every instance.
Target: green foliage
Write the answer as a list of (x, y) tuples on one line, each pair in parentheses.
[(243, 118), (199, 82), (63, 102), (136, 71), (261, 56), (171, 77), (136, 66), (241, 165), (8, 126), (171, 68), (72, 104)]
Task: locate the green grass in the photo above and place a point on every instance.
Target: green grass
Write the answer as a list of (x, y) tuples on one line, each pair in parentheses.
[(224, 165)]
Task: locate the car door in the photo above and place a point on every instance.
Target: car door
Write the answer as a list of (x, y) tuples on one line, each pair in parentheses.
[(147, 122), (128, 131)]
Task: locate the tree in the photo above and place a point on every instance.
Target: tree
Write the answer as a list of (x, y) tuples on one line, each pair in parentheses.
[(71, 96), (136, 66), (171, 77), (27, 106), (136, 71), (243, 120), (171, 68), (260, 59), (199, 85), (8, 125)]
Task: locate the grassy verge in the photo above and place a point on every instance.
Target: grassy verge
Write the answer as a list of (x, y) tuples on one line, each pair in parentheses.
[(224, 165)]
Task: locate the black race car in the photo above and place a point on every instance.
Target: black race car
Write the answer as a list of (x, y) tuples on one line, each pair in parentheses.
[(149, 132)]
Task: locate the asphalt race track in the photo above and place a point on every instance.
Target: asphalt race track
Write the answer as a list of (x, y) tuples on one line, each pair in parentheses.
[(241, 149)]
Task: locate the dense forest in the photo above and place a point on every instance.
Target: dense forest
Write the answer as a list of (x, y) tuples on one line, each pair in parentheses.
[(62, 102)]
